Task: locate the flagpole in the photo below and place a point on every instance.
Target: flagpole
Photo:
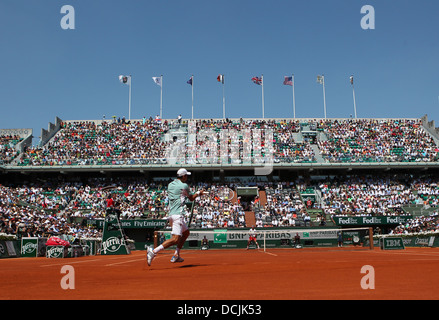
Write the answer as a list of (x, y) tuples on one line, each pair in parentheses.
[(263, 107), (353, 94), (294, 100), (161, 96), (324, 95), (192, 77), (129, 101), (224, 100)]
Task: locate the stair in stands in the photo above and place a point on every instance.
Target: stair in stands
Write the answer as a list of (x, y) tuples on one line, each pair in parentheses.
[(262, 198), (250, 219)]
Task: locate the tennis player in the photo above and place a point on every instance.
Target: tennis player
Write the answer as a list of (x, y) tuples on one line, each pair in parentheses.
[(252, 237), (178, 191)]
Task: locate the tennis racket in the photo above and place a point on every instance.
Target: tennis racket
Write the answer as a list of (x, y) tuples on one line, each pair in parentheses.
[(109, 187)]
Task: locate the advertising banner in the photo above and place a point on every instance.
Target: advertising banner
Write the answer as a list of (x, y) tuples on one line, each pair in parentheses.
[(392, 243), (8, 248), (33, 247), (113, 239), (56, 251), (370, 221)]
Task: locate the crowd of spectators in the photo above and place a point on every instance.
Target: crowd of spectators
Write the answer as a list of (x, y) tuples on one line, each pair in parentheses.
[(229, 141), (134, 198), (34, 211), (106, 143), (370, 140), (8, 151), (218, 207), (284, 207), (233, 141), (420, 224), (427, 190), (287, 149), (44, 208), (244, 142), (143, 142), (365, 195)]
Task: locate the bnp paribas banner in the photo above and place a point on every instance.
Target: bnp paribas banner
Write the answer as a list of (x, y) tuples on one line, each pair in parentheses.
[(224, 236), (113, 239)]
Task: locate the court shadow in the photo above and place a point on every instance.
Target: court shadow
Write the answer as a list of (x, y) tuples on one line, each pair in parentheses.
[(172, 266), (192, 266)]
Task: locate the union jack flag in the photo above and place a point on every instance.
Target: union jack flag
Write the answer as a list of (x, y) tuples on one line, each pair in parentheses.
[(257, 80)]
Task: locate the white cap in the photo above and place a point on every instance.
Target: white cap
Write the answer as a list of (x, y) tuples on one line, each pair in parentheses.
[(183, 172)]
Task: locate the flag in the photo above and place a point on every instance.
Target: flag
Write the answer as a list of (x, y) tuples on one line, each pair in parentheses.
[(125, 79), (190, 81), (157, 80), (257, 80), (352, 80), (288, 81), (220, 78), (320, 79)]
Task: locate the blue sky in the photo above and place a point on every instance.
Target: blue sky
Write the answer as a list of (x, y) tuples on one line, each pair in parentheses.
[(73, 74)]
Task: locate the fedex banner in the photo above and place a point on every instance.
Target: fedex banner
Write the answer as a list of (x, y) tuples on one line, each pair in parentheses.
[(370, 221)]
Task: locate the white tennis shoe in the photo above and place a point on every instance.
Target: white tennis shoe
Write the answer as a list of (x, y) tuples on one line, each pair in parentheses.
[(150, 255), (176, 259)]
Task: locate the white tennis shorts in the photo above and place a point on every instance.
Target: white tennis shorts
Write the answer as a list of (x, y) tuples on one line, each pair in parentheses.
[(178, 224)]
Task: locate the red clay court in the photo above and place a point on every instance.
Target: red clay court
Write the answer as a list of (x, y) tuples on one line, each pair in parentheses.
[(278, 274)]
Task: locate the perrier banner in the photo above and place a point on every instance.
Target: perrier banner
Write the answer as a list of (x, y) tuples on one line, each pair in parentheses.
[(113, 240)]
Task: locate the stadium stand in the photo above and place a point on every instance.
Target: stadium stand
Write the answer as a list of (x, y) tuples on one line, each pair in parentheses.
[(8, 152), (12, 143), (53, 188), (372, 140), (147, 141)]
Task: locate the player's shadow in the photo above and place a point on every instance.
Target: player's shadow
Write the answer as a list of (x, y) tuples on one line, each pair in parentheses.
[(192, 266), (181, 266)]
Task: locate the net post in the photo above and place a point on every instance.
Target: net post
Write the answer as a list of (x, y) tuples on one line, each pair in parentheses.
[(265, 232), (371, 238)]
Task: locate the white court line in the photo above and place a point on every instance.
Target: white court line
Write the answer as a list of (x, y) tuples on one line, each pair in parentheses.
[(68, 261), (102, 257), (121, 262), (272, 254), (164, 254), (431, 254)]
